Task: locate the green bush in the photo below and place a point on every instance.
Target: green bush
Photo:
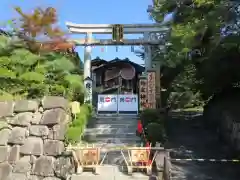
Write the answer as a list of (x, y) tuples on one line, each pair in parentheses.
[(76, 128), (155, 133), (73, 135), (151, 116), (153, 123), (26, 74)]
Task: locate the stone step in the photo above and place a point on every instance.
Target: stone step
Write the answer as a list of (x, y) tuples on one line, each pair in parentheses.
[(114, 126), (109, 137), (117, 116), (117, 140), (127, 135), (119, 124), (116, 121), (111, 131)]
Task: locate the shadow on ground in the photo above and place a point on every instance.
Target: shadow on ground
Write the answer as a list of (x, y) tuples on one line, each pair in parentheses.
[(191, 139)]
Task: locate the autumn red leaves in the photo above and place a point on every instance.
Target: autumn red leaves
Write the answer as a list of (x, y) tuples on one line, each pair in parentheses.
[(40, 32)]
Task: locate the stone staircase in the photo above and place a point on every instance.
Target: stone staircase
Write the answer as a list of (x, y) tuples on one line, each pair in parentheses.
[(116, 130), (113, 131)]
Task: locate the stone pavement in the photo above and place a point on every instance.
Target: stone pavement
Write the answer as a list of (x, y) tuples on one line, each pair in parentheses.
[(111, 172)]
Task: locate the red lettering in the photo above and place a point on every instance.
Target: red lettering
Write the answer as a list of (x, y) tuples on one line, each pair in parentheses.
[(107, 99), (127, 99)]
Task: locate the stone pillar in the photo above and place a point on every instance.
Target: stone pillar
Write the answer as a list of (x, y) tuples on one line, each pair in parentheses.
[(147, 53), (87, 57)]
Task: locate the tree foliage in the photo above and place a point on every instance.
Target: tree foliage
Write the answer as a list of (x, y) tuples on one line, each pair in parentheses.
[(28, 72), (28, 75), (39, 30), (203, 56)]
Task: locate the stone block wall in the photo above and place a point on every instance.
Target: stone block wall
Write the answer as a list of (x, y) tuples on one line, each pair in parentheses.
[(230, 130), (32, 140)]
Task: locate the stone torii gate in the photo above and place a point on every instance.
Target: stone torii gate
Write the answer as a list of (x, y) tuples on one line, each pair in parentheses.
[(149, 32)]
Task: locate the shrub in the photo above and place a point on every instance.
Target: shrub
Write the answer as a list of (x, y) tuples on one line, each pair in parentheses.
[(155, 133), (153, 123), (76, 128), (150, 116), (73, 135)]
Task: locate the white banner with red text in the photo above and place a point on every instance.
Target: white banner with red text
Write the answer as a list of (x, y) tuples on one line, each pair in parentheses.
[(121, 104)]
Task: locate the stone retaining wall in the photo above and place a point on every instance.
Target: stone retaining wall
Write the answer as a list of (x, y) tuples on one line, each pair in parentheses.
[(223, 116), (32, 140), (230, 130)]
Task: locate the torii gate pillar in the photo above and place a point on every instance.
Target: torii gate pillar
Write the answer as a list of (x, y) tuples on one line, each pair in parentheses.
[(87, 58), (147, 52)]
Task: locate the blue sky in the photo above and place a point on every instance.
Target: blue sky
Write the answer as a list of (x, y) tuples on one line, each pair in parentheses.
[(90, 12)]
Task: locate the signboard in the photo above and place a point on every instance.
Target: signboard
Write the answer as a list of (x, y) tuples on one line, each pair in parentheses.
[(151, 92), (143, 93), (127, 103), (88, 86), (75, 107), (107, 103), (90, 156), (139, 155), (117, 32)]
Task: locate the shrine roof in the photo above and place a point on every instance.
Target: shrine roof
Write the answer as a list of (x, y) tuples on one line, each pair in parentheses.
[(98, 62), (105, 64), (5, 33)]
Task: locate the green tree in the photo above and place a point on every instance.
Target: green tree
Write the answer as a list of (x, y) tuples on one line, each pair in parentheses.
[(28, 75), (199, 60)]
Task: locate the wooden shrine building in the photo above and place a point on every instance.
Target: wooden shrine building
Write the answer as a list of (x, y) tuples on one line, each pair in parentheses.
[(118, 76)]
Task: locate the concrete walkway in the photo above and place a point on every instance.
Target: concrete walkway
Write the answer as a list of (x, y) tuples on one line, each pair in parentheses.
[(111, 172)]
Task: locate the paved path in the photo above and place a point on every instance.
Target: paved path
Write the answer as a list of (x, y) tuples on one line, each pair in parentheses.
[(112, 131), (199, 143), (110, 173)]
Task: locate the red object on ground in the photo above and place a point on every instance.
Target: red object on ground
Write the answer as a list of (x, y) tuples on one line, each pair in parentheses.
[(139, 127)]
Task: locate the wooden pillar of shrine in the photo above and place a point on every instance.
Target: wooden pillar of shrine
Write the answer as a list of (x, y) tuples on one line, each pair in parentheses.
[(158, 85)]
